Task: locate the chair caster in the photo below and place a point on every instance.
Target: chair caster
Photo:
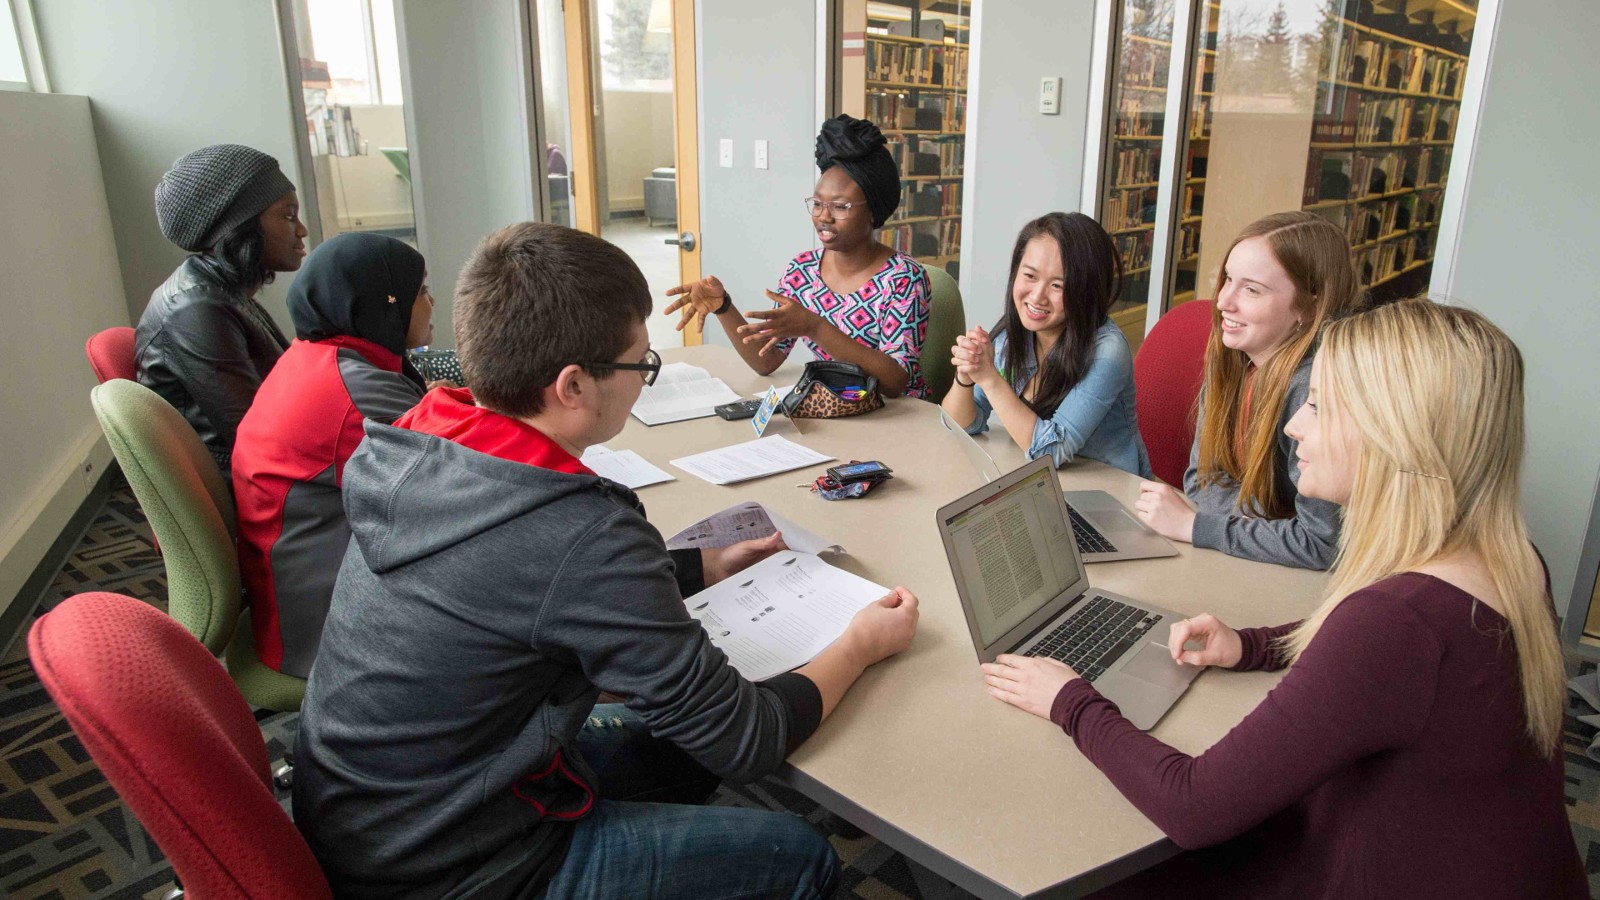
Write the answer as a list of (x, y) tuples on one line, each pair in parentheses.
[(283, 779)]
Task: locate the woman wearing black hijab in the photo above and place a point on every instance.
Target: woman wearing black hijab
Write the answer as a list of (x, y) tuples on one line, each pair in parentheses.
[(359, 302), (854, 299)]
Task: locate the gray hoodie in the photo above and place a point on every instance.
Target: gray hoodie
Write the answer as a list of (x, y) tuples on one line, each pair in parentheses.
[(481, 606), (1308, 540)]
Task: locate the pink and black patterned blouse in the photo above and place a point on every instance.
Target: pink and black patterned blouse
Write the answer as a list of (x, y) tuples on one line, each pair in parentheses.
[(889, 313)]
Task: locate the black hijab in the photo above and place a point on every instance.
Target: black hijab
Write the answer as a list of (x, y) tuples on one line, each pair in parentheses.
[(362, 285), (862, 150)]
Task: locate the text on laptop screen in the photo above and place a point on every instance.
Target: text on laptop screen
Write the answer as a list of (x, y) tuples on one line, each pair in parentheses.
[(1014, 553)]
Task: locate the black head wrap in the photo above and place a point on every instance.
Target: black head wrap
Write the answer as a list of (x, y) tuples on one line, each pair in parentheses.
[(362, 285), (861, 149)]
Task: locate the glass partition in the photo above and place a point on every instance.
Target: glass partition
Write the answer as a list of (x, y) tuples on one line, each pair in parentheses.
[(1347, 108), (903, 65)]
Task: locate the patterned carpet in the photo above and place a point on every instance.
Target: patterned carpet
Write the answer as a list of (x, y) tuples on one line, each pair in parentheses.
[(65, 835)]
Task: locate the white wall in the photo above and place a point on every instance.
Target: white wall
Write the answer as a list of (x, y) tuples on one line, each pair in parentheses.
[(754, 85), (60, 260), (163, 83), (469, 132), (1020, 164), (1527, 257)]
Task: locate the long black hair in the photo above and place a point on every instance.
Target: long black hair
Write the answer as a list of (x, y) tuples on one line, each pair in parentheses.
[(1091, 278), (236, 258)]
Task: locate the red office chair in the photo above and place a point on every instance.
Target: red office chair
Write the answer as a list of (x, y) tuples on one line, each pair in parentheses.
[(173, 735), (1167, 374), (111, 354)]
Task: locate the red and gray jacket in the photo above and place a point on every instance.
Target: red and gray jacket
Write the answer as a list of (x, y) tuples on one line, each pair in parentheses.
[(288, 468)]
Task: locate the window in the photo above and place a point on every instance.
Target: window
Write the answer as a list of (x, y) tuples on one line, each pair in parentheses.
[(16, 23), (356, 40)]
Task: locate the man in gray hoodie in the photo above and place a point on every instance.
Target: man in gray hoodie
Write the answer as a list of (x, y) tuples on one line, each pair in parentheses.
[(449, 743)]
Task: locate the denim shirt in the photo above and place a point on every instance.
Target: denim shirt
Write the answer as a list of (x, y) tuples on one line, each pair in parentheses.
[(1097, 417)]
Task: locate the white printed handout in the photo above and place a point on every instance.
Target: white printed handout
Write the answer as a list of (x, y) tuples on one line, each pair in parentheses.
[(751, 459), (681, 392), (781, 612), (625, 467), (748, 521)]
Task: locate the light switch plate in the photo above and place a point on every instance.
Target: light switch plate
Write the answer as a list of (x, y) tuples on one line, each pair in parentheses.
[(1050, 96), (725, 153), (761, 155)]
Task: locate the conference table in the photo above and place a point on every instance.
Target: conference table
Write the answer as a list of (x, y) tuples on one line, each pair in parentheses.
[(997, 801)]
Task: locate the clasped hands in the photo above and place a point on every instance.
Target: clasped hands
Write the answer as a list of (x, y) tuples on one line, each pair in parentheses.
[(789, 319), (973, 357), (1031, 683)]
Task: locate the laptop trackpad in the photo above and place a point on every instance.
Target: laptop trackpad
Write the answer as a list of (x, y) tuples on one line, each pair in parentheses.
[(1154, 664)]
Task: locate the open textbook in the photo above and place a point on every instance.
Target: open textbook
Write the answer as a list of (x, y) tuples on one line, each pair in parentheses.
[(748, 521), (781, 612), (681, 392)]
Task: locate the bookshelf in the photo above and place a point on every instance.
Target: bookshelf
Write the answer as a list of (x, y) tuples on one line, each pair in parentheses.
[(1345, 108), (912, 77), (1388, 100)]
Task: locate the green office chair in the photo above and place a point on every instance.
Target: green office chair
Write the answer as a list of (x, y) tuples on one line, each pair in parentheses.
[(191, 511), (400, 158), (947, 320)]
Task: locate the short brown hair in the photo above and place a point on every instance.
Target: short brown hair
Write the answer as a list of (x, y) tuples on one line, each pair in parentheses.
[(535, 298)]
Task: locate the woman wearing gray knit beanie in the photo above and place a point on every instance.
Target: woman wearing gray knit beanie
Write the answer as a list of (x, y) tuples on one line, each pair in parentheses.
[(204, 343)]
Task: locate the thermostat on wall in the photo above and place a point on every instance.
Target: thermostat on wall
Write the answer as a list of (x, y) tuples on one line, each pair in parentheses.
[(1050, 96)]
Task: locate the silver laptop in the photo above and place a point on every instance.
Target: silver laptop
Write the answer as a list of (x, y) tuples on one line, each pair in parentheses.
[(1105, 530), (1024, 590)]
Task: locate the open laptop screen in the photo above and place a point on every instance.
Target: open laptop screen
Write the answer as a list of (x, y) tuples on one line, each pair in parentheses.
[(1013, 552)]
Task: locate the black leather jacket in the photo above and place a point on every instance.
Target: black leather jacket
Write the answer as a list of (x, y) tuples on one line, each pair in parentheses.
[(206, 349)]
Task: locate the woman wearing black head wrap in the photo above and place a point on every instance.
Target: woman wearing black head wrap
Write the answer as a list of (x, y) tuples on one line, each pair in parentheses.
[(854, 299), (359, 302)]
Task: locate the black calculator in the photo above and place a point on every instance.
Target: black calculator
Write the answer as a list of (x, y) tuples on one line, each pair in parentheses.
[(742, 409)]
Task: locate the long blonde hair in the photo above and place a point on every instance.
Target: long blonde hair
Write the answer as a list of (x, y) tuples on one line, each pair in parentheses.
[(1435, 394), (1316, 255)]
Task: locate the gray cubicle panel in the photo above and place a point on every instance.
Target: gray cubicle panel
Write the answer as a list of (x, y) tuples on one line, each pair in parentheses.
[(1585, 586)]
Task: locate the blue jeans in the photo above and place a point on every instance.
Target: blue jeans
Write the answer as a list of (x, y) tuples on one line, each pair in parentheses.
[(644, 839)]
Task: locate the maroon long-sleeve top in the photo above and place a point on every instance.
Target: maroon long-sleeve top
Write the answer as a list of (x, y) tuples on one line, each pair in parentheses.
[(1391, 761)]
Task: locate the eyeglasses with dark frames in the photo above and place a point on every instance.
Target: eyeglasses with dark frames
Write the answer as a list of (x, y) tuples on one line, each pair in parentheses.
[(651, 367), (841, 210)]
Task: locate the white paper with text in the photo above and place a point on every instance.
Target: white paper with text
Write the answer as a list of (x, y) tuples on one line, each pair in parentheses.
[(781, 612), (751, 459), (749, 521)]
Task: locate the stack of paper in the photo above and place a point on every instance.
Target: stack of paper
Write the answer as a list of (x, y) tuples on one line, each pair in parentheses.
[(682, 392), (625, 467), (752, 459), (781, 612)]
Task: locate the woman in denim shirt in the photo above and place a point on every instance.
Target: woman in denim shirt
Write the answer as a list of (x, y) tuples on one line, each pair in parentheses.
[(1080, 402)]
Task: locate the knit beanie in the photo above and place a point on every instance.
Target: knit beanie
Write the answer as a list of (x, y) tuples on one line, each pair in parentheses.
[(862, 150), (213, 190)]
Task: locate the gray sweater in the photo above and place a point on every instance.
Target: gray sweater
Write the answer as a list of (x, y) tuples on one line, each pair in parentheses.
[(1308, 540), (481, 606)]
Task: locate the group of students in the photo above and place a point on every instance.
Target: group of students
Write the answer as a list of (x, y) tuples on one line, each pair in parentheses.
[(459, 588)]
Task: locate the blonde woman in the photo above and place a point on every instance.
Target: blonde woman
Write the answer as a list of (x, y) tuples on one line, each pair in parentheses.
[(1412, 748), (1283, 277)]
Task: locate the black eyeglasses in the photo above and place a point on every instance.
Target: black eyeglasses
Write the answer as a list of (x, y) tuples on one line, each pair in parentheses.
[(651, 367)]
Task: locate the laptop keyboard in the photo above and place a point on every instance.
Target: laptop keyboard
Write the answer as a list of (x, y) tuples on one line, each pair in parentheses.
[(1092, 638), (1089, 540)]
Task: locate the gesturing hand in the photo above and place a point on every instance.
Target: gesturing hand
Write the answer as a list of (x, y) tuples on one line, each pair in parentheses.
[(789, 320), (697, 299), (718, 563), (1222, 644), (1165, 509), (1029, 683)]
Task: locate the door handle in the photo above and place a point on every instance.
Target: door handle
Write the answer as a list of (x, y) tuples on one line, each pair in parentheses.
[(684, 240)]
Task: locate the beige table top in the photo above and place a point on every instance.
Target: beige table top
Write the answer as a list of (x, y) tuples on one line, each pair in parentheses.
[(996, 800)]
